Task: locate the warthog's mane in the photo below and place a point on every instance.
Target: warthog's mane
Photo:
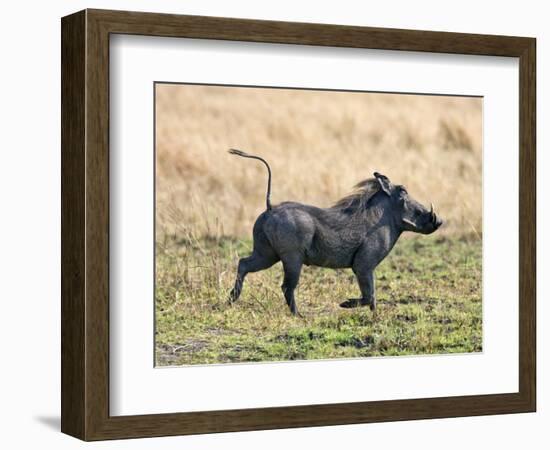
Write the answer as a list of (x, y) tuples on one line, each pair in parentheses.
[(358, 200)]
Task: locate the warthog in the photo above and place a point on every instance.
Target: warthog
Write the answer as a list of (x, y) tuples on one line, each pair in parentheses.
[(357, 232)]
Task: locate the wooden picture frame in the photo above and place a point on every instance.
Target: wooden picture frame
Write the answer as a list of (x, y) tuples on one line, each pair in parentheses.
[(85, 224)]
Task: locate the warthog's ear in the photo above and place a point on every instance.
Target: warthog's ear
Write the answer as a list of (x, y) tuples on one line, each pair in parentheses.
[(384, 182)]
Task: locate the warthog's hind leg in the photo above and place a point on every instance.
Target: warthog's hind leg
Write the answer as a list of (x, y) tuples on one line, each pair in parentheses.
[(252, 263), (292, 268)]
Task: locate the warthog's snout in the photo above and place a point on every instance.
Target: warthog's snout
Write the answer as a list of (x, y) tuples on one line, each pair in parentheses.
[(423, 220), (431, 222)]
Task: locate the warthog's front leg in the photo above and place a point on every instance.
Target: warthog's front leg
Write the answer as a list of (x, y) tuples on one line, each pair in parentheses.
[(365, 278)]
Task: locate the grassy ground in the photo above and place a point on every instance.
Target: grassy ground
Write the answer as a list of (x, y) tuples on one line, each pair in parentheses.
[(429, 302)]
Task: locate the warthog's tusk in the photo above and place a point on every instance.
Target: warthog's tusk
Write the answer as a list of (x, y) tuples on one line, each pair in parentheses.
[(432, 212), (408, 222)]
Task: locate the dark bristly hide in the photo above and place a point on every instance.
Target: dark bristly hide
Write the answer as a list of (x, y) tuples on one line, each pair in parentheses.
[(357, 200)]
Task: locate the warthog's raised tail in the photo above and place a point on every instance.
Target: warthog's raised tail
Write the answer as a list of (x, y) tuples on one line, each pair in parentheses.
[(234, 151)]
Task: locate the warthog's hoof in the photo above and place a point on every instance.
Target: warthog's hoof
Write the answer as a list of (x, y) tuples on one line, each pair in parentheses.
[(354, 303)]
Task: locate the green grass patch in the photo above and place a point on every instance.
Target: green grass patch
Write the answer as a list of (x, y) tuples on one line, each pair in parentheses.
[(428, 291)]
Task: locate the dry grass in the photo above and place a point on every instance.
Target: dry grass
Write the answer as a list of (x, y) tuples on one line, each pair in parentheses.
[(319, 145)]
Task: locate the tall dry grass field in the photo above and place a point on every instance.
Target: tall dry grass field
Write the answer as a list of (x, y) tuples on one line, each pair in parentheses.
[(319, 144)]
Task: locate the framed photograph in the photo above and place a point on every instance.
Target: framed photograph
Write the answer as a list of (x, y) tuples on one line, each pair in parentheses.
[(273, 225)]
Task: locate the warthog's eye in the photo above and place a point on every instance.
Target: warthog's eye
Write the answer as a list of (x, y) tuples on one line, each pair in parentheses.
[(401, 195)]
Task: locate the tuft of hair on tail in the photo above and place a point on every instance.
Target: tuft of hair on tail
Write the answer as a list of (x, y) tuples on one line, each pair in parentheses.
[(234, 151)]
